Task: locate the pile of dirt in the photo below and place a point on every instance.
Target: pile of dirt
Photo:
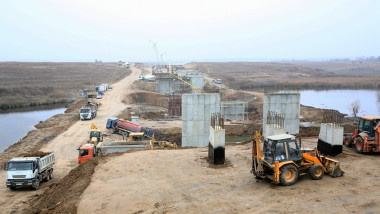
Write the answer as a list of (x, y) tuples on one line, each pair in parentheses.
[(242, 130), (64, 196), (173, 135), (34, 154), (153, 114), (77, 105), (150, 98)]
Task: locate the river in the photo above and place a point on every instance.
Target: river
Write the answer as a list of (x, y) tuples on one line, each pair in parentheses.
[(341, 100), (15, 125)]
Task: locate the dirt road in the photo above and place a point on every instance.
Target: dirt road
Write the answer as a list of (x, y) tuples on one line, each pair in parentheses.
[(65, 145), (181, 181)]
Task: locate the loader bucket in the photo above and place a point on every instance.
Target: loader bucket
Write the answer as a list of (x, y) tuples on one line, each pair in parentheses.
[(337, 172)]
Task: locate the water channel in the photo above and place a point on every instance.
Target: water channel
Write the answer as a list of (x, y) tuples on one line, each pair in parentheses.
[(341, 100), (15, 125)]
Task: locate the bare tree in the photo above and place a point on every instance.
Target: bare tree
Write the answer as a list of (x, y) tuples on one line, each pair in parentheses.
[(355, 107)]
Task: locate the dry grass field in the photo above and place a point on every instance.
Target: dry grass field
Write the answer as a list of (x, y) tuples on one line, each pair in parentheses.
[(303, 75), (23, 84)]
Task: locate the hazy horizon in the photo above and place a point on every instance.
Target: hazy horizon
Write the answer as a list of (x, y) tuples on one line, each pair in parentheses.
[(82, 31)]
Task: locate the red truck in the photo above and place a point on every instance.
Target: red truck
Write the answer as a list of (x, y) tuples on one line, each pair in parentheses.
[(124, 126)]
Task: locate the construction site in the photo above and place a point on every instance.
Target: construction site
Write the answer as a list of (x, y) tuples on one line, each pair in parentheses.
[(162, 146)]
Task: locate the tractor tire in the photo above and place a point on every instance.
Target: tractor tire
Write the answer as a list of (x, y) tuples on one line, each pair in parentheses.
[(359, 145), (347, 141), (316, 172), (289, 175)]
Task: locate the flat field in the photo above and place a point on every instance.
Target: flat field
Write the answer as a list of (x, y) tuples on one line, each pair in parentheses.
[(299, 75), (23, 84)]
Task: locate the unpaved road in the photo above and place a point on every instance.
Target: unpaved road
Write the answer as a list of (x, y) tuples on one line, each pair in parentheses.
[(181, 181), (65, 145)]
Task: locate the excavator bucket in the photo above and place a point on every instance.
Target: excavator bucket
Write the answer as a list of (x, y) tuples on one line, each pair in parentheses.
[(332, 167)]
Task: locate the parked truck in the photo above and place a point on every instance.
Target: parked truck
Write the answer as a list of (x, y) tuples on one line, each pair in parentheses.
[(29, 171), (88, 151), (88, 111), (90, 93), (124, 127)]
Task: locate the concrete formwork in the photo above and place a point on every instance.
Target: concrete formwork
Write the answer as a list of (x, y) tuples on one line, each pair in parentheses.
[(285, 103), (165, 85), (234, 110), (330, 139), (196, 118)]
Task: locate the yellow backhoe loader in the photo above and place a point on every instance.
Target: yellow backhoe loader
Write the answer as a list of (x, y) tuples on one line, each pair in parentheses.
[(282, 160)]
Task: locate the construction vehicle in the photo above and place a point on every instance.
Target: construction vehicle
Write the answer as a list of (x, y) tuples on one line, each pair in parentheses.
[(95, 135), (116, 125), (29, 171), (88, 151), (88, 112), (366, 137), (90, 93), (283, 160)]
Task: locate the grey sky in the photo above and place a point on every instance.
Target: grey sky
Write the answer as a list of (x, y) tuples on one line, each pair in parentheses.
[(74, 30)]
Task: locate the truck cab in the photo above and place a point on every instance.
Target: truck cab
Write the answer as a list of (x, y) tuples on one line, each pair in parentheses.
[(282, 148), (111, 122), (87, 151), (367, 125), (85, 113)]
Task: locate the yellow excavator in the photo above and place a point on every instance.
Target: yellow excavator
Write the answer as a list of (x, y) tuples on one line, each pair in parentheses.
[(282, 160)]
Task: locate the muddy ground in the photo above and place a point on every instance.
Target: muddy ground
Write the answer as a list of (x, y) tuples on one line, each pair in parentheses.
[(182, 181)]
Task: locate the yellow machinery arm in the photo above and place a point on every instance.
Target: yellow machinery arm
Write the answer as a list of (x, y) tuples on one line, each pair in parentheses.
[(330, 166), (200, 91)]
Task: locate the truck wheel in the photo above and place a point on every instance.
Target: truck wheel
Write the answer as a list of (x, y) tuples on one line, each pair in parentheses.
[(347, 141), (51, 174), (316, 172), (37, 185), (12, 188), (359, 145), (47, 176), (289, 175)]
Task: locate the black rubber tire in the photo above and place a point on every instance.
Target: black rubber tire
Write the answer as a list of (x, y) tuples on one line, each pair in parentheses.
[(47, 176), (359, 145), (289, 175), (316, 172), (347, 141), (37, 185), (12, 188), (51, 174)]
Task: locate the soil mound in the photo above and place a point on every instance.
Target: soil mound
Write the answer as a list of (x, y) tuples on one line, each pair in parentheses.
[(64, 196), (34, 154)]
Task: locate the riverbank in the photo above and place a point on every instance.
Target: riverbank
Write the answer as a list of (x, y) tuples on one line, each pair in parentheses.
[(45, 131)]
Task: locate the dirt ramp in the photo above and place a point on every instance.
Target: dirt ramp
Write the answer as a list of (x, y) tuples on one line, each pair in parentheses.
[(64, 196)]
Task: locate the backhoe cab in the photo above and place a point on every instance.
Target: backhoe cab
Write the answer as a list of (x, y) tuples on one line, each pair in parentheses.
[(282, 160)]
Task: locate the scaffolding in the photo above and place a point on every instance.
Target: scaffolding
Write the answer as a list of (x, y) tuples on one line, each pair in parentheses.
[(234, 110)]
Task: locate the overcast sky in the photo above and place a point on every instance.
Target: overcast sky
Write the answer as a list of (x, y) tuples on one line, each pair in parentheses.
[(74, 30)]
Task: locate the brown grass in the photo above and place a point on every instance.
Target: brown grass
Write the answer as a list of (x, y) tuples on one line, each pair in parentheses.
[(312, 75), (23, 84)]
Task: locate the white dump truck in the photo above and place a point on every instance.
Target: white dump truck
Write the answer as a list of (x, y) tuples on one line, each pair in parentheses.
[(29, 171), (88, 112)]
